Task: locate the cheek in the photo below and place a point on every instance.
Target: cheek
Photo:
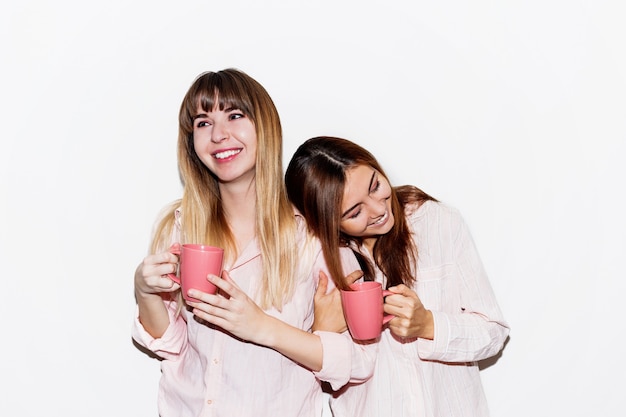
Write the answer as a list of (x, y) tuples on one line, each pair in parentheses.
[(201, 150), (200, 142), (354, 227), (197, 141)]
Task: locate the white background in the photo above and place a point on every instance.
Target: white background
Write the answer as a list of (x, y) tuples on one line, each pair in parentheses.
[(512, 111)]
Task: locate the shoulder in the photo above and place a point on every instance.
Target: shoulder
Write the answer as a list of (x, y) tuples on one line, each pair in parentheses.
[(304, 237), (176, 210), (170, 212), (433, 211)]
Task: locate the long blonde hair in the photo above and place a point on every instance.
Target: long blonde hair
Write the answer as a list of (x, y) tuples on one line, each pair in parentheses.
[(203, 219)]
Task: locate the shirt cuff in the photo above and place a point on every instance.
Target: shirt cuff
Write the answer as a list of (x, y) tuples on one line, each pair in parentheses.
[(436, 349), (170, 344), (337, 359)]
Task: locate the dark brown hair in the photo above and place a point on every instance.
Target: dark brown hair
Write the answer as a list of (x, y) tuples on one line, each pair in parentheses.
[(315, 180)]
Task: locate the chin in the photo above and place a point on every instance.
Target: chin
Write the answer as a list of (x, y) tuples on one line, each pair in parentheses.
[(387, 227)]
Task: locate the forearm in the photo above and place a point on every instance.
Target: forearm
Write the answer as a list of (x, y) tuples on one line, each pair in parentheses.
[(152, 314), (346, 360), (296, 344)]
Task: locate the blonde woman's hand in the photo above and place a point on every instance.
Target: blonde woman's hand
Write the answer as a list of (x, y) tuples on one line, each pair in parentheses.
[(151, 274), (232, 310), (411, 318)]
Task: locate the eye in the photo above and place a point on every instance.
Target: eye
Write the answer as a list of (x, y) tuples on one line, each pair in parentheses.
[(375, 186), (355, 214), (235, 115)]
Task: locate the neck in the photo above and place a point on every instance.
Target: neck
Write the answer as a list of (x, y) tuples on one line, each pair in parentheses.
[(368, 243), (239, 204)]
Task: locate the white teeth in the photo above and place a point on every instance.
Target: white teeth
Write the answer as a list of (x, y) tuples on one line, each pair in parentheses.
[(382, 219), (226, 154)]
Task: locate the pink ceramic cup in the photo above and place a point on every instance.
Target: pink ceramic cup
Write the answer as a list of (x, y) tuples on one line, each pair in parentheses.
[(363, 309), (196, 262)]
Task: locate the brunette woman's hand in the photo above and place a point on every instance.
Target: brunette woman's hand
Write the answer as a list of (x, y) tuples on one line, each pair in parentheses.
[(328, 309), (232, 310), (411, 319), (151, 274)]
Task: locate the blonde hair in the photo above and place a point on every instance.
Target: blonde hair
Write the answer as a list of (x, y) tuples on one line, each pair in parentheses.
[(203, 219)]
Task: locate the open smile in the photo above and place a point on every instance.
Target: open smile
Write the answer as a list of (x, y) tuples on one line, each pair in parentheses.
[(226, 154), (381, 221)]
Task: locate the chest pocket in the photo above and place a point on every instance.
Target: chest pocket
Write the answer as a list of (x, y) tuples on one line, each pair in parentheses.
[(438, 288)]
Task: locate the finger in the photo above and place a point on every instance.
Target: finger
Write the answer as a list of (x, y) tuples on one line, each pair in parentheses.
[(167, 284), (175, 248), (225, 284), (160, 269), (157, 259), (150, 272), (392, 309), (401, 315), (403, 290), (226, 276), (354, 276), (322, 286), (210, 303), (213, 316), (211, 313), (396, 300), (398, 328)]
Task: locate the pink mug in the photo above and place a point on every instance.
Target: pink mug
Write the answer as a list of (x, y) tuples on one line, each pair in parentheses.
[(196, 262), (363, 309)]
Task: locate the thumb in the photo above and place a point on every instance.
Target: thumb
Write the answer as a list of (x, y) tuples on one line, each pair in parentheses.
[(354, 277), (322, 285)]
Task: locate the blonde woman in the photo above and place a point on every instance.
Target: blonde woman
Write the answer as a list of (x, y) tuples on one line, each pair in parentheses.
[(246, 350)]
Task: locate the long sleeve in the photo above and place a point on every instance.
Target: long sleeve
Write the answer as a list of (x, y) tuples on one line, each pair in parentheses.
[(345, 360), (173, 340), (469, 325), (439, 377)]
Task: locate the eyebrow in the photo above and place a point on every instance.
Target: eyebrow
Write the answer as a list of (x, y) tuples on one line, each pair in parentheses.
[(199, 115), (369, 188)]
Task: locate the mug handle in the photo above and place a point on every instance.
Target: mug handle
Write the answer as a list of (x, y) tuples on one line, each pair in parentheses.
[(175, 249), (387, 317)]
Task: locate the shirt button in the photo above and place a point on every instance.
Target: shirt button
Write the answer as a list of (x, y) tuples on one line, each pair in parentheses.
[(209, 402), (216, 361)]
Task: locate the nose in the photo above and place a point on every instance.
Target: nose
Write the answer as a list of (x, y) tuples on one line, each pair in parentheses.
[(219, 133), (377, 208)]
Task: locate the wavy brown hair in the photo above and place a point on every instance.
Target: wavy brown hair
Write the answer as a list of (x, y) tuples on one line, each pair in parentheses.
[(315, 180), (203, 219)]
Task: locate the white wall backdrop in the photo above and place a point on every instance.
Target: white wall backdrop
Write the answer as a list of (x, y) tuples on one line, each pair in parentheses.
[(513, 111)]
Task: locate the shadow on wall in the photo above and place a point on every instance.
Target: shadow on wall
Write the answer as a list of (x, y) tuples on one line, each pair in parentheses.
[(144, 350), (486, 363)]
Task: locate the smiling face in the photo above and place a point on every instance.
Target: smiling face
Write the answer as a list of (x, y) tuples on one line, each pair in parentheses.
[(226, 142), (366, 207)]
